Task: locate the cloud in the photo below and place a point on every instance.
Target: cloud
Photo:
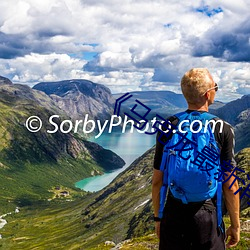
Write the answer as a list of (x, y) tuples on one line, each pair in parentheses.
[(34, 68), (231, 45), (139, 45)]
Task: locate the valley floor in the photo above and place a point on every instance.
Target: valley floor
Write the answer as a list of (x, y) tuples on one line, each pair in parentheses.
[(57, 225)]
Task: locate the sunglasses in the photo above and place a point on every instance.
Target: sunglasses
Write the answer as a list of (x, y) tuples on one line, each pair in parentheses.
[(216, 87)]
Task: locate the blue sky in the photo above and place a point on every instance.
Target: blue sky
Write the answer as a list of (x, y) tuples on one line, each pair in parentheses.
[(126, 45)]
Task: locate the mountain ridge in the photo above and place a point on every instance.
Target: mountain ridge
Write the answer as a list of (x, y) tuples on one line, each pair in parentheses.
[(80, 97), (4, 80)]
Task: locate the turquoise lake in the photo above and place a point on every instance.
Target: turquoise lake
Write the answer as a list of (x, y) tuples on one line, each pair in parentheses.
[(129, 146)]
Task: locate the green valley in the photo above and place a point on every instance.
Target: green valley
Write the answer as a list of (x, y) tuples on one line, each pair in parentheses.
[(32, 163), (123, 210)]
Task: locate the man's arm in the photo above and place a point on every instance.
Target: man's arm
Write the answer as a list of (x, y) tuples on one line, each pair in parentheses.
[(233, 206), (232, 201), (156, 187)]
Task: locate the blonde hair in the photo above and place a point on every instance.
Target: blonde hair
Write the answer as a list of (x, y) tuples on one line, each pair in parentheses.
[(195, 83)]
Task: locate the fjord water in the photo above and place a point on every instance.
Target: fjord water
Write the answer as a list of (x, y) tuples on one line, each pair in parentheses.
[(128, 146)]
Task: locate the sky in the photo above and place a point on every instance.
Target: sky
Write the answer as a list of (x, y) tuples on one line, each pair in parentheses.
[(127, 45)]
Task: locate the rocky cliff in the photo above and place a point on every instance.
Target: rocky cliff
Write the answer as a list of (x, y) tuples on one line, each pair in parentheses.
[(80, 97), (237, 114), (232, 110)]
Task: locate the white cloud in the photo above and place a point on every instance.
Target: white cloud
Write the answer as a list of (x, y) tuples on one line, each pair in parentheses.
[(140, 44), (35, 68)]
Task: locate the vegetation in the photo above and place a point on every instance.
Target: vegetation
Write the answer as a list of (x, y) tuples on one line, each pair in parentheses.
[(36, 170), (117, 213)]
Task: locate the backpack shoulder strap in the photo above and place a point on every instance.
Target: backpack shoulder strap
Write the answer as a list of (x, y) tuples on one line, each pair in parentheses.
[(182, 115), (208, 116)]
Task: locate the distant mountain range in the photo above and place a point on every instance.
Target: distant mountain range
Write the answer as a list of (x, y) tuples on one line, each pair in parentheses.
[(231, 111), (161, 102), (164, 103)]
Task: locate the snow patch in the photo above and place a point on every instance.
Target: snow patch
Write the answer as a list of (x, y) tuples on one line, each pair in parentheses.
[(142, 204), (2, 223), (143, 186)]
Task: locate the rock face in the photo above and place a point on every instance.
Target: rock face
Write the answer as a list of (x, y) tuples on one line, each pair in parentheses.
[(106, 158), (232, 110), (243, 163), (242, 130), (80, 97), (4, 80), (237, 114)]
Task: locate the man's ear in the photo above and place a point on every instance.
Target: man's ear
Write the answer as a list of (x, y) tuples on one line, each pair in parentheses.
[(207, 95)]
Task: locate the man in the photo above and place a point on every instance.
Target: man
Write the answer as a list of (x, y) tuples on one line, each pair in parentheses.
[(194, 225)]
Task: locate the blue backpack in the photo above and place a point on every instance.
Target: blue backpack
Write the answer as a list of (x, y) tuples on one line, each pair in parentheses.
[(190, 162)]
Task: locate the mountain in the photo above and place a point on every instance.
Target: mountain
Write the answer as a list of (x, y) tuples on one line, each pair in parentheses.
[(243, 162), (80, 97), (232, 110), (4, 80), (216, 105), (120, 211), (164, 103), (237, 114), (31, 164), (242, 130)]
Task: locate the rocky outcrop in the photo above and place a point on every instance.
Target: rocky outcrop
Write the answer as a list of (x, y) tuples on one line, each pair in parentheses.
[(4, 80), (80, 97), (232, 110), (242, 130), (24, 99)]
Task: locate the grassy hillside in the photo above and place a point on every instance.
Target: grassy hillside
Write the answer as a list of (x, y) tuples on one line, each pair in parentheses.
[(121, 211), (31, 164)]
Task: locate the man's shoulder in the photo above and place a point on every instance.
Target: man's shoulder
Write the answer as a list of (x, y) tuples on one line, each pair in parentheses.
[(227, 127), (172, 118)]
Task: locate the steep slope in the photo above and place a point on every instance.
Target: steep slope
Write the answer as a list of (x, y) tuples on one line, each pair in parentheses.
[(4, 80), (32, 163), (232, 110), (243, 163), (80, 97), (120, 211), (242, 130), (125, 206), (237, 114)]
